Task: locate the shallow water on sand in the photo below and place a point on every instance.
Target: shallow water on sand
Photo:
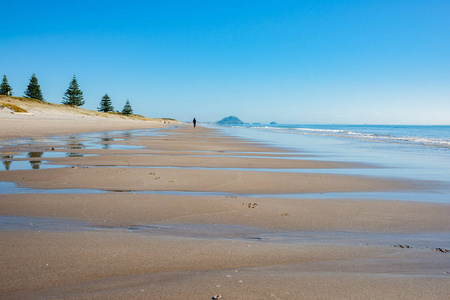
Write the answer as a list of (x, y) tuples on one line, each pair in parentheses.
[(318, 148), (41, 224), (429, 197), (431, 241), (401, 161), (65, 146), (330, 149)]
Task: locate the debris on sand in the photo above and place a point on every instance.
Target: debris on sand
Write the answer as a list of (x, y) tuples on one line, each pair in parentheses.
[(443, 250), (403, 246)]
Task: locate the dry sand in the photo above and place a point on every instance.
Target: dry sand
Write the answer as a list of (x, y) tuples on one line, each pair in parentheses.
[(45, 119), (211, 238)]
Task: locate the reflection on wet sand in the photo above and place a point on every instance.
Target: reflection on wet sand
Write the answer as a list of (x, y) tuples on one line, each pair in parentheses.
[(104, 141), (35, 163), (7, 161), (51, 148), (74, 143)]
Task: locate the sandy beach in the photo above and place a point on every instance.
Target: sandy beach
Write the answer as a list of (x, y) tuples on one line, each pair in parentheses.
[(39, 119), (183, 213)]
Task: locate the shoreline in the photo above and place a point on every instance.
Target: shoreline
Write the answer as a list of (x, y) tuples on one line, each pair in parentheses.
[(163, 246)]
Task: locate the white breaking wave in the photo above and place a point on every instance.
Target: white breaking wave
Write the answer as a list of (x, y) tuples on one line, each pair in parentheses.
[(376, 137)]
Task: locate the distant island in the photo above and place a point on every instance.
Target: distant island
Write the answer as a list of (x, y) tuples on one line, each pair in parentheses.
[(273, 123), (231, 120)]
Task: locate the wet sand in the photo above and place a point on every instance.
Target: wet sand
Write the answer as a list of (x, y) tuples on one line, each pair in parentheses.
[(122, 244)]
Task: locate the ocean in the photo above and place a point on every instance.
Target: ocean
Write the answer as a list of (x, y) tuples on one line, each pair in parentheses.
[(396, 151)]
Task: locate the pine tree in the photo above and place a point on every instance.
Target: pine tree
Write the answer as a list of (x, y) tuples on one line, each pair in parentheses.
[(33, 89), (127, 108), (105, 104), (5, 88), (73, 95)]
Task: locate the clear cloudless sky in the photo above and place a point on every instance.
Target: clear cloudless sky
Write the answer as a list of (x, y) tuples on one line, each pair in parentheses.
[(305, 62)]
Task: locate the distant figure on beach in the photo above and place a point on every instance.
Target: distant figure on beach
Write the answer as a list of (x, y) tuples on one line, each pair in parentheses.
[(195, 122)]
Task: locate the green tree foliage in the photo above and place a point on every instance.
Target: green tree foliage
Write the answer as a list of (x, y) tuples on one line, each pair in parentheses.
[(127, 110), (34, 90), (5, 88), (73, 95), (105, 104)]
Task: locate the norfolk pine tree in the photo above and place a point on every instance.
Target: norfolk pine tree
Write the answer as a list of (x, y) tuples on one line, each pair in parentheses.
[(105, 104), (127, 108), (5, 88), (33, 89), (73, 95)]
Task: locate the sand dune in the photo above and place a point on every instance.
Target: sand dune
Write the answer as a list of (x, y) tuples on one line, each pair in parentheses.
[(40, 119)]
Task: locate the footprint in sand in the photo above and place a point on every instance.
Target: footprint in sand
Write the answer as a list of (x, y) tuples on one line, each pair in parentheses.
[(250, 205)]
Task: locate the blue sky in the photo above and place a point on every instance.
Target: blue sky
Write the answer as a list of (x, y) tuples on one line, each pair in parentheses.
[(307, 62)]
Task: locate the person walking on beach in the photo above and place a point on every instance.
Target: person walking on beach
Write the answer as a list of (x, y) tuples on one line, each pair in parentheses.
[(195, 122)]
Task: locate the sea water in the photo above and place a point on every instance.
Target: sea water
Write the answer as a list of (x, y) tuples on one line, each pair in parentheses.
[(402, 152)]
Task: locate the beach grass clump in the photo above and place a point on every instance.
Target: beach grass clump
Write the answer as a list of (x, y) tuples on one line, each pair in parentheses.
[(13, 107), (29, 100)]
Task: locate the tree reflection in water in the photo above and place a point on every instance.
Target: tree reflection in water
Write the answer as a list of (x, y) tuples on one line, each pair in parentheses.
[(74, 143), (35, 164), (7, 162), (104, 140)]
